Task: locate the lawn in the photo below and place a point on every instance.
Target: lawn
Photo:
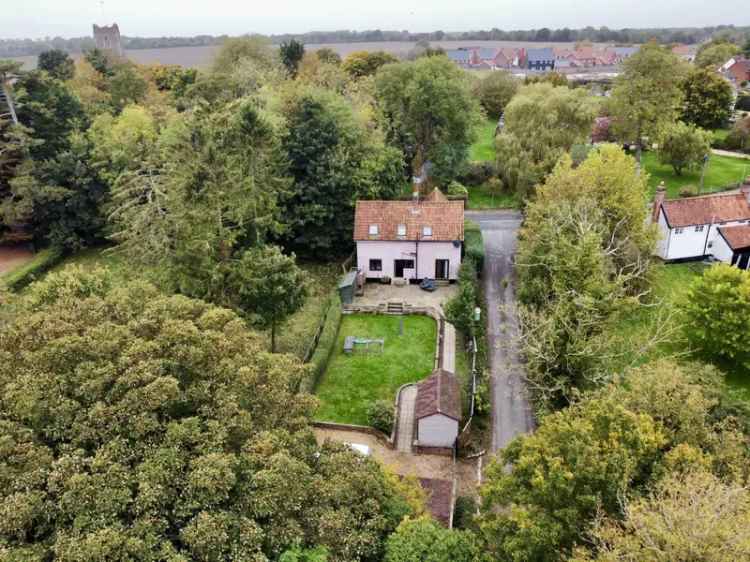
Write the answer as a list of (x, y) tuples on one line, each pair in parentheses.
[(722, 171), (483, 149), (352, 382), (480, 198)]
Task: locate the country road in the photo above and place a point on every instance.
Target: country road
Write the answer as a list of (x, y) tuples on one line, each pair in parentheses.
[(511, 411)]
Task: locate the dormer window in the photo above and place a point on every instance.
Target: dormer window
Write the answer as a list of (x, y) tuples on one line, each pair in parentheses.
[(426, 231), (401, 230), (374, 230)]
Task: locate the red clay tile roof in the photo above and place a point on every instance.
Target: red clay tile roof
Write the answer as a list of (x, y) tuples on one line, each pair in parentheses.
[(436, 196), (738, 237), (439, 498), (706, 209), (438, 394), (445, 217)]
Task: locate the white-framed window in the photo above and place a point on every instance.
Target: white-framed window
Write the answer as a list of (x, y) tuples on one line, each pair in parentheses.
[(401, 230), (426, 231), (374, 230), (699, 228), (678, 231)]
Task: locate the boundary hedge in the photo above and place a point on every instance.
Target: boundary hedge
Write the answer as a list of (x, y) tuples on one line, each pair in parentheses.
[(26, 274)]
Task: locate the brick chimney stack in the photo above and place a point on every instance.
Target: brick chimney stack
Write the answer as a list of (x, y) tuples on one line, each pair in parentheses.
[(661, 193)]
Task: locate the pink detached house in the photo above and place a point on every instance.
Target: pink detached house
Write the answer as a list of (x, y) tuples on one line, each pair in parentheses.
[(409, 240)]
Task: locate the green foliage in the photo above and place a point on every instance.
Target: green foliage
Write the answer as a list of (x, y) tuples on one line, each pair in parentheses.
[(684, 147), (291, 53), (688, 191), (132, 423), (380, 415), (460, 309), (708, 99), (739, 137), (100, 61), (234, 51), (360, 64), (554, 78), (474, 244), (430, 113), (715, 53), (57, 64), (22, 276), (326, 347), (495, 92), (268, 286), (515, 167), (334, 158), (647, 95), (457, 190), (126, 86), (327, 55), (717, 315), (579, 462), (425, 540), (317, 554)]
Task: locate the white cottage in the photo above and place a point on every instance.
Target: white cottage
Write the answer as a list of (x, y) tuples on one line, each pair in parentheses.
[(706, 226), (437, 411), (409, 240)]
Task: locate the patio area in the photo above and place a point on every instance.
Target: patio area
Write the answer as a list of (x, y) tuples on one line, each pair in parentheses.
[(377, 293)]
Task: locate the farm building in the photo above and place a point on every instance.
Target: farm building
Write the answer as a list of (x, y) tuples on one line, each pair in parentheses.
[(437, 412), (409, 240)]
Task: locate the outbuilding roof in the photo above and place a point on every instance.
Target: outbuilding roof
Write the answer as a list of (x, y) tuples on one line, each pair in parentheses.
[(438, 394), (738, 237), (706, 210), (444, 218)]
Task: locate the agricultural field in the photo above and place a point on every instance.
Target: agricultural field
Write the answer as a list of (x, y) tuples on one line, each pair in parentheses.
[(352, 382)]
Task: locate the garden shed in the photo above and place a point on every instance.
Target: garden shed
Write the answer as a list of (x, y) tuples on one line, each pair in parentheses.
[(438, 410)]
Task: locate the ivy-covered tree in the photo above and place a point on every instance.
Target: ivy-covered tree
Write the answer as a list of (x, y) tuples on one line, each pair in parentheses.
[(142, 426)]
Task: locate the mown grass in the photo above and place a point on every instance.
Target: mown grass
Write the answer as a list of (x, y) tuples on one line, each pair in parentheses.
[(722, 173), (352, 382), (483, 149), (483, 198)]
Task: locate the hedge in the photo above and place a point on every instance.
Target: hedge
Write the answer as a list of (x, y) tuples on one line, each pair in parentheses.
[(326, 345), (42, 262), (474, 244)]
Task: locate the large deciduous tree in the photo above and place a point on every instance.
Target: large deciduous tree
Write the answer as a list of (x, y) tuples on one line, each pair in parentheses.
[(684, 147), (717, 315), (715, 53), (427, 541), (430, 112), (141, 426), (360, 64), (234, 51), (708, 99), (336, 156), (495, 92), (647, 95)]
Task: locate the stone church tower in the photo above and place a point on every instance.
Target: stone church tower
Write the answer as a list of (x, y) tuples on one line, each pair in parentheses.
[(107, 38)]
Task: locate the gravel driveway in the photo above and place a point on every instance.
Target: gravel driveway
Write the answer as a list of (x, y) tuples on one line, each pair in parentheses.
[(511, 412)]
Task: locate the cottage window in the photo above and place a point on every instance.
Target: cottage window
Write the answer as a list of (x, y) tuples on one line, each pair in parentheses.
[(373, 230), (678, 231), (376, 265), (402, 230), (699, 228), (710, 244), (427, 231)]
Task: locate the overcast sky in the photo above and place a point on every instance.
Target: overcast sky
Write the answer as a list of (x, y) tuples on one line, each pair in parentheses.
[(73, 18)]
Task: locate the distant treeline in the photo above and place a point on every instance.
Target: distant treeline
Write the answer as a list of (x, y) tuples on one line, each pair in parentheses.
[(22, 47)]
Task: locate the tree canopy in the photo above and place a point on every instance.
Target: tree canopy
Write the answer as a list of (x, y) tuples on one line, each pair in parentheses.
[(708, 99)]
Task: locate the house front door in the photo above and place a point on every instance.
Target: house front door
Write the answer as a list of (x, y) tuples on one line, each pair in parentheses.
[(400, 265), (442, 269)]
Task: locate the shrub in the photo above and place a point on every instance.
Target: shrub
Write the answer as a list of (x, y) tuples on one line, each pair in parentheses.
[(464, 512), (688, 191), (30, 272), (457, 190), (474, 245), (380, 416), (460, 309), (477, 173), (683, 146), (743, 103)]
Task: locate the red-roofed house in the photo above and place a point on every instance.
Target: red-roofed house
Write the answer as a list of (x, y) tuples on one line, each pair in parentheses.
[(409, 240), (738, 70), (711, 225)]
